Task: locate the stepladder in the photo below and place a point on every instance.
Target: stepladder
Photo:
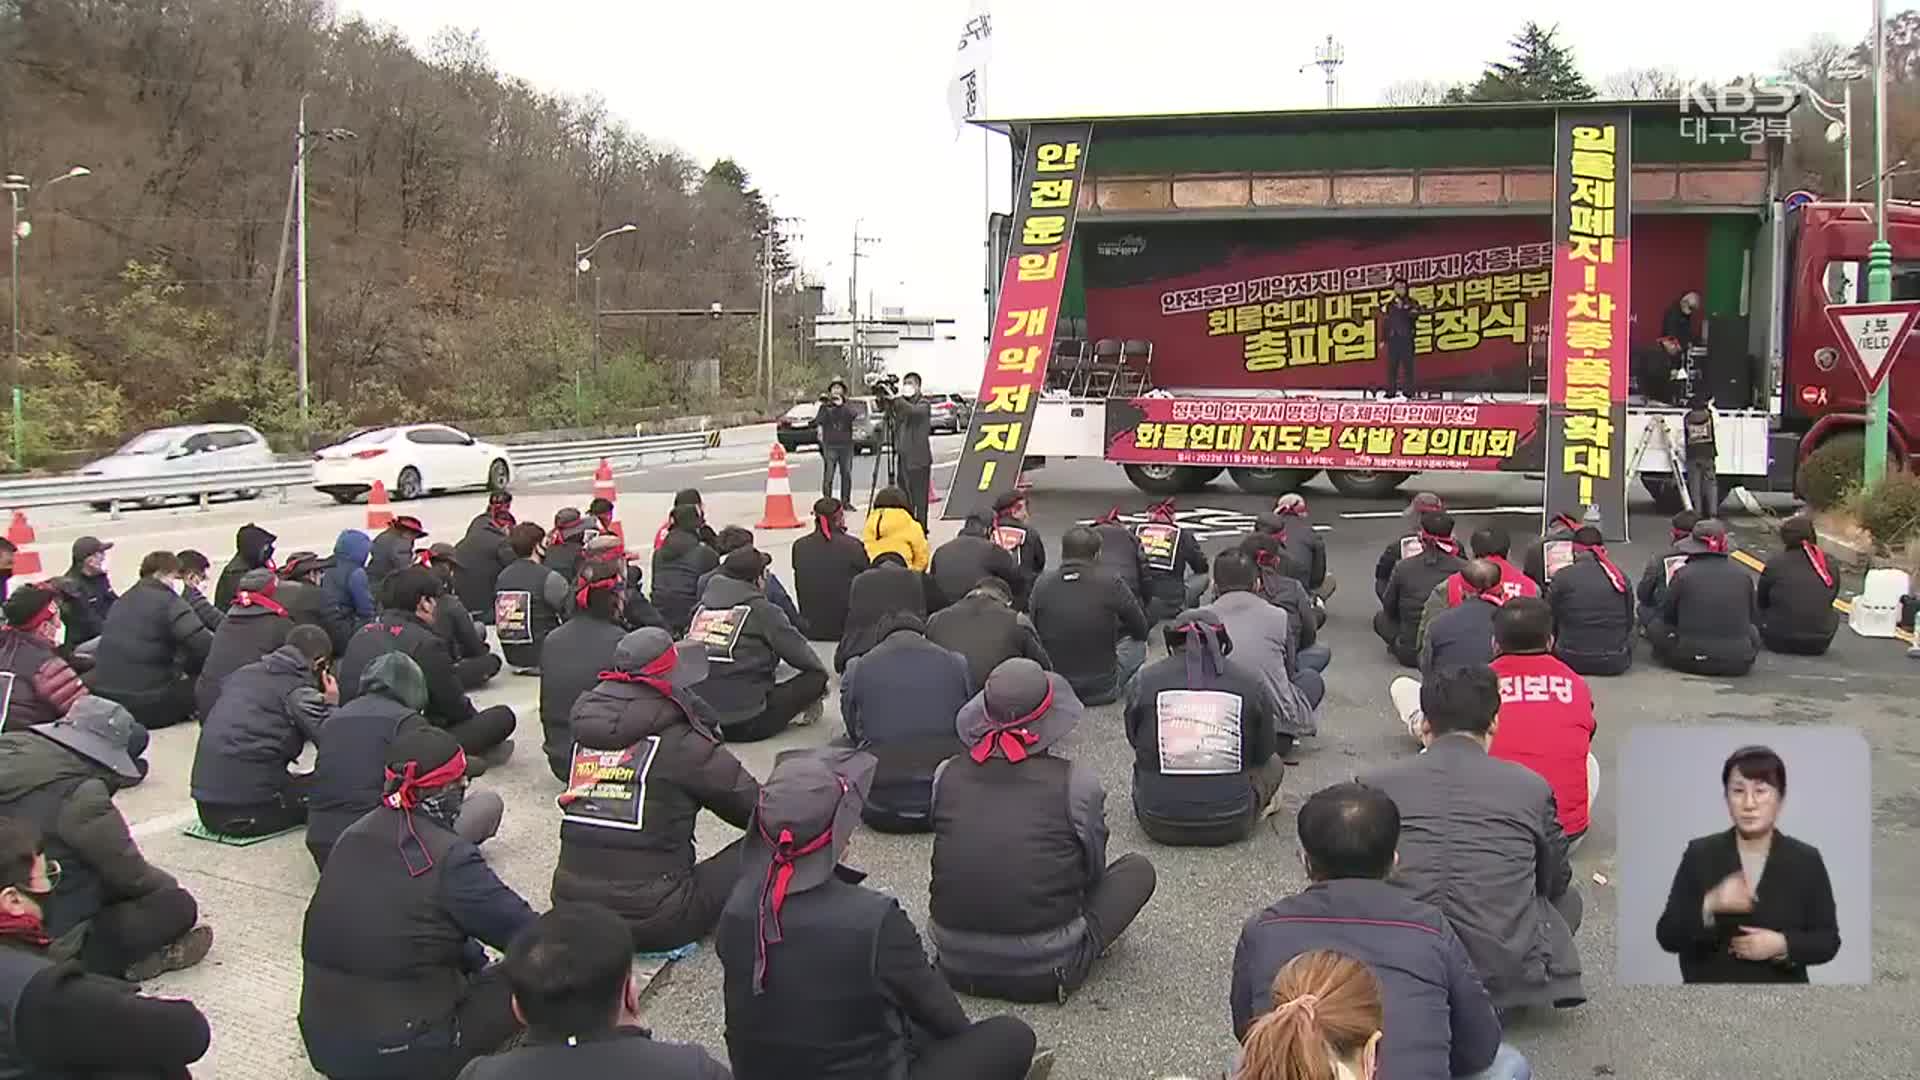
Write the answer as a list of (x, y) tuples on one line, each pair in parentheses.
[(1657, 427)]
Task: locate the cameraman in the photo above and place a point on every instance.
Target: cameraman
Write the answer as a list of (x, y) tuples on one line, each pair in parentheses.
[(835, 421), (911, 418)]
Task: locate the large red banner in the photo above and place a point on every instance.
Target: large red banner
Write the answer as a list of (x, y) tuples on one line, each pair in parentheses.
[(1298, 304), (1325, 433)]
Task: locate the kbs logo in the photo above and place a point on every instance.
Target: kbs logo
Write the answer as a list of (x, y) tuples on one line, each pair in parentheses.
[(1751, 114)]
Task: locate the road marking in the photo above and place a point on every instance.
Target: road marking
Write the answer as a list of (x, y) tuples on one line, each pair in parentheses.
[(1466, 512)]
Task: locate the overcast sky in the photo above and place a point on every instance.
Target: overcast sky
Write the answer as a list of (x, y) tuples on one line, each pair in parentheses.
[(837, 108)]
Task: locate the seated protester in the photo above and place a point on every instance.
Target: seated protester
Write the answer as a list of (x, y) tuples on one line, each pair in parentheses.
[(885, 588), (483, 552), (473, 661), (898, 701), (406, 627), (683, 497), (826, 978), (600, 516), (1023, 898), (300, 593), (733, 538), (572, 977), (1170, 552), (1443, 1025), (1592, 609), (891, 527), (1796, 593), (1492, 543), (1206, 755), (634, 853), (1088, 621), (1411, 581), (1409, 543), (609, 551), (678, 565), (120, 914), (1481, 840), (1546, 712), (267, 713), (1462, 635), (530, 601), (1120, 553), (346, 782), (746, 638), (257, 624), (56, 1011), (193, 584), (44, 685), (1706, 623), (252, 550), (350, 599), (1014, 534), (962, 562), (1264, 643), (577, 653), (393, 550), (86, 594), (152, 648), (984, 628), (1278, 586), (395, 983), (1342, 1035), (1545, 556), (571, 531), (1301, 542), (1653, 577), (825, 562)]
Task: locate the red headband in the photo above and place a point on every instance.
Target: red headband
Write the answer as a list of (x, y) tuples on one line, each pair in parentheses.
[(42, 617), (1111, 517), (587, 587), (1445, 543), (773, 889), (260, 599), (408, 793), (1012, 738), (1819, 560)]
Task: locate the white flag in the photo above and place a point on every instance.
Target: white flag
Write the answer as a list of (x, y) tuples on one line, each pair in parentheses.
[(967, 89)]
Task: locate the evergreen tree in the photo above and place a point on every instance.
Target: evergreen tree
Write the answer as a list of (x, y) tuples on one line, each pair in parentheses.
[(1541, 69)]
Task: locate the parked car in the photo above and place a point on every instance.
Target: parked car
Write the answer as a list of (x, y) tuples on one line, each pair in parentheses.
[(170, 451), (951, 412), (411, 459), (795, 427)]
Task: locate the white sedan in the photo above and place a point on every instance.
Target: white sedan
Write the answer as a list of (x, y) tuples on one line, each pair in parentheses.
[(411, 459)]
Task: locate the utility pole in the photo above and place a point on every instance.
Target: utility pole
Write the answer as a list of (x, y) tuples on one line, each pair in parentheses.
[(855, 364), (1880, 255), (280, 264), (300, 268), (1328, 56)]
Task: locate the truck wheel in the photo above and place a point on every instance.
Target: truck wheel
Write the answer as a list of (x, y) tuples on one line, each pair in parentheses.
[(1664, 492), (1158, 479), (1199, 476), (1270, 481), (1366, 483)]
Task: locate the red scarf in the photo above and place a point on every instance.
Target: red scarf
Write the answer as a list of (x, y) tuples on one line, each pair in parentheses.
[(1445, 543), (243, 598), (31, 929), (1012, 737), (409, 788), (502, 517), (1599, 553), (1567, 521), (773, 889), (653, 675), (1819, 560), (826, 525), (1679, 534)]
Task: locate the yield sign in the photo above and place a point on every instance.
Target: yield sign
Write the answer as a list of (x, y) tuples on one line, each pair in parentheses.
[(1871, 336)]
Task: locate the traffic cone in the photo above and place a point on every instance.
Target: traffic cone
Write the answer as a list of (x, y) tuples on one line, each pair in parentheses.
[(933, 490), (603, 489), (26, 558), (779, 514), (379, 514)]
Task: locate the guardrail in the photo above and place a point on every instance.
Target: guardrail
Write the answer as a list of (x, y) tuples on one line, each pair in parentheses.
[(111, 493)]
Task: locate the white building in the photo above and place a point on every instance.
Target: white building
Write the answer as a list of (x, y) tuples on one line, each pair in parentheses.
[(894, 343)]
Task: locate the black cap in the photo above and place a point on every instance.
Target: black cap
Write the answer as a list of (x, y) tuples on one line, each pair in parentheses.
[(88, 546), (26, 602)]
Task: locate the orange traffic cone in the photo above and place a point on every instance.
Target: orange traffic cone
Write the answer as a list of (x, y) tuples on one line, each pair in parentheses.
[(603, 489), (379, 514), (26, 558), (779, 514), (933, 490)]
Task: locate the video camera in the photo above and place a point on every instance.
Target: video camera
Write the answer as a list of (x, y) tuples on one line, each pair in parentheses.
[(882, 386)]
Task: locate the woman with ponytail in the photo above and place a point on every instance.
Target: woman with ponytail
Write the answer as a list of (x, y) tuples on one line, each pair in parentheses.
[(1796, 593), (1325, 1024)]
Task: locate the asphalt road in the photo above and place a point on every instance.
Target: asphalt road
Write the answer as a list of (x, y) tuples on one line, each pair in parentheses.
[(1156, 1006)]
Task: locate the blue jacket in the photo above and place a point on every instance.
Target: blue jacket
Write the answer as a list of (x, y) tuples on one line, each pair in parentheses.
[(345, 586)]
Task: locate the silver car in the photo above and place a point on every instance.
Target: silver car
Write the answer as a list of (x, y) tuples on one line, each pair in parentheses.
[(170, 451)]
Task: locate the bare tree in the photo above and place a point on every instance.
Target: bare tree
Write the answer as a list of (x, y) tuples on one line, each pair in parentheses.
[(1643, 83), (1415, 92)]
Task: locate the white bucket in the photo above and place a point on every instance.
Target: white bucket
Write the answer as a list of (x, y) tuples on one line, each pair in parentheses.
[(1876, 611)]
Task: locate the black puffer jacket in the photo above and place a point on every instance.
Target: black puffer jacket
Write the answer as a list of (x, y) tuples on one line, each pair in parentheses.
[(267, 712), (152, 638), (876, 593), (960, 563), (1795, 602), (252, 550), (1081, 613), (645, 873), (248, 634), (823, 571), (478, 559), (575, 656), (986, 632), (399, 631), (85, 602), (1711, 609), (678, 566)]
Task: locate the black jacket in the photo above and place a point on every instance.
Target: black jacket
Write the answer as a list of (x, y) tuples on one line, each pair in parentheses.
[(986, 632), (912, 420), (1028, 549), (1413, 578), (1591, 620), (1459, 637), (1303, 545), (391, 553), (85, 601), (548, 601), (248, 634), (1794, 603), (58, 1014), (1120, 555), (876, 593), (623, 1052), (152, 639), (960, 563), (563, 558), (1533, 561), (1795, 898), (739, 678), (1711, 610), (454, 623), (823, 571), (253, 547), (399, 631), (478, 559), (1652, 590), (210, 616), (899, 701), (835, 423), (1166, 565), (678, 566), (267, 712), (1081, 613), (575, 656), (349, 769), (1188, 791), (308, 606)]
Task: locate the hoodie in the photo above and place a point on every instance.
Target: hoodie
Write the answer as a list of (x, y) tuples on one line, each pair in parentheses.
[(349, 769), (253, 550), (348, 597)]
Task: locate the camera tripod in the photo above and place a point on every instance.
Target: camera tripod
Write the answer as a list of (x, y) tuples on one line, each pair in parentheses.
[(884, 457)]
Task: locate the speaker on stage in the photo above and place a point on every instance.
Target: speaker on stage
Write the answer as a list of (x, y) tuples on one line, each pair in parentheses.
[(1729, 369)]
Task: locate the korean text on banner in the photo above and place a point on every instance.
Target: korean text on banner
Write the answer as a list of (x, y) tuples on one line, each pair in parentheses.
[(1045, 201), (1587, 352)]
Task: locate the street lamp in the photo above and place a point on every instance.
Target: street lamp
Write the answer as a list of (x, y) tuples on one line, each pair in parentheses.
[(304, 139), (581, 264), (16, 187), (1839, 117)]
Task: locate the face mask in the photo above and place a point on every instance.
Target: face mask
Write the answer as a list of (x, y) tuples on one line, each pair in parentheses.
[(912, 389)]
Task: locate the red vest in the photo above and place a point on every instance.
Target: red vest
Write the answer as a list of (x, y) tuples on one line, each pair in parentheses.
[(1512, 583), (1546, 724)]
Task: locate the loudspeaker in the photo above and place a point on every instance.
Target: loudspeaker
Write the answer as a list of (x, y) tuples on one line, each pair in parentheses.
[(1729, 374)]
